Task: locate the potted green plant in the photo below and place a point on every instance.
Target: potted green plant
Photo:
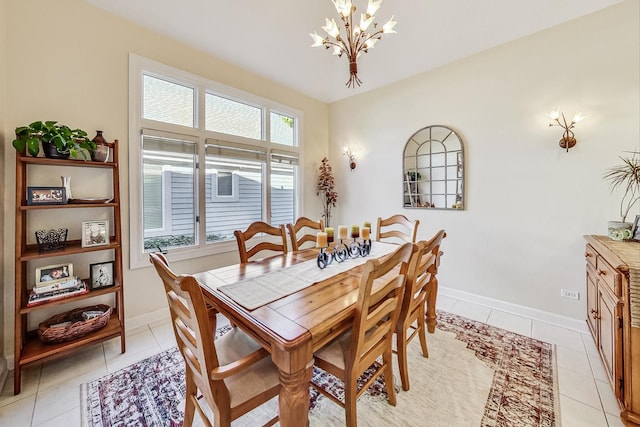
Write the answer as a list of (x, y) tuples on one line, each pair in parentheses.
[(627, 177), (58, 140)]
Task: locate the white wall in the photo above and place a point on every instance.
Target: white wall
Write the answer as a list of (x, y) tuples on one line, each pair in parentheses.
[(69, 62), (528, 202)]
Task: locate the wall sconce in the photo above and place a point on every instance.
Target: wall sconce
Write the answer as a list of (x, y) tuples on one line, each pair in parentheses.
[(351, 156), (568, 137)]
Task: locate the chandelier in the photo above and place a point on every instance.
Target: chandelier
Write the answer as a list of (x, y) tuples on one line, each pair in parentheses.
[(356, 39)]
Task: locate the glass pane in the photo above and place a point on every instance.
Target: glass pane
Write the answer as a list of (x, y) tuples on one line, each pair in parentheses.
[(232, 117), (168, 193), (168, 102), (282, 193), (224, 216), (225, 183), (282, 129)]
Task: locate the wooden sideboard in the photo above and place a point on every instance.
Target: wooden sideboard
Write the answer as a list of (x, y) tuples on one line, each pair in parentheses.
[(609, 302)]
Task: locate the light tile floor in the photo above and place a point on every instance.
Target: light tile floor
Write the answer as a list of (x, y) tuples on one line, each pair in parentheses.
[(50, 393)]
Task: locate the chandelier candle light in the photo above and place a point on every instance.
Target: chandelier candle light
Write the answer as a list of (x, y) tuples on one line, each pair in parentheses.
[(568, 137), (357, 39)]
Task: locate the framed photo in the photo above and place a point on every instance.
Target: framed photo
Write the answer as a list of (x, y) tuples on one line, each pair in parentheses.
[(101, 275), (95, 233), (51, 274), (635, 231), (46, 196)]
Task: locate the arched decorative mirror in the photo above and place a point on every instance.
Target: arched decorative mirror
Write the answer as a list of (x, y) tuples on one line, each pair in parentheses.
[(434, 169)]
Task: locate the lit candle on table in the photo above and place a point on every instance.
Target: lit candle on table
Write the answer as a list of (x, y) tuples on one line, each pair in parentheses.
[(342, 232), (321, 240), (355, 231), (329, 231), (366, 233)]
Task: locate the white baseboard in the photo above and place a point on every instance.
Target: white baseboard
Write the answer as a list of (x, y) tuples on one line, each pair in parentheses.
[(520, 310), (144, 319)]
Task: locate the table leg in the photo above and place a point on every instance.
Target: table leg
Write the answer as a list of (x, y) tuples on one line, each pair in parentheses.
[(295, 373), (431, 307)]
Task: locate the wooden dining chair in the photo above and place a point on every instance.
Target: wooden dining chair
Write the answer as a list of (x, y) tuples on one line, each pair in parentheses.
[(398, 227), (421, 281), (376, 313), (243, 237), (233, 374), (308, 225)]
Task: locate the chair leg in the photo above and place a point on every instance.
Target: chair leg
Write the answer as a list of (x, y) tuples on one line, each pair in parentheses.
[(189, 407), (387, 360), (401, 348), (421, 332), (350, 399)]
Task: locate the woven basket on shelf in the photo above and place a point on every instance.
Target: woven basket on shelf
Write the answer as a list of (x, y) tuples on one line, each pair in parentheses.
[(78, 327)]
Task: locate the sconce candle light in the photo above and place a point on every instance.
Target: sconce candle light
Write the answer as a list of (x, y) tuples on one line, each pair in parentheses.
[(351, 156), (568, 137)]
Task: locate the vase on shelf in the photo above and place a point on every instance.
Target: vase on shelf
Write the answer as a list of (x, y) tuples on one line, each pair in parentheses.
[(101, 152), (66, 183)]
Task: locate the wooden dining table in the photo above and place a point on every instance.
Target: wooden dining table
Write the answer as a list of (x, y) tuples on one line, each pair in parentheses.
[(291, 328)]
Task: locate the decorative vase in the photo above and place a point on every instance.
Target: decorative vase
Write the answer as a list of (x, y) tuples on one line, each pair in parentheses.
[(50, 150), (66, 183), (618, 230), (101, 152)]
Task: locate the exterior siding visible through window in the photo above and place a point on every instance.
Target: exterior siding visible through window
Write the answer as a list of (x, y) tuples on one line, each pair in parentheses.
[(242, 147)]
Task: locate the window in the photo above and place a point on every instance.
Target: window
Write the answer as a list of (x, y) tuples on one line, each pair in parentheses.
[(225, 186), (198, 174)]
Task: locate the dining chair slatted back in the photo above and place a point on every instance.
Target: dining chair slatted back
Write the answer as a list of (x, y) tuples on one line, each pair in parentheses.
[(397, 227), (421, 281), (308, 225), (232, 373), (243, 238), (371, 337)]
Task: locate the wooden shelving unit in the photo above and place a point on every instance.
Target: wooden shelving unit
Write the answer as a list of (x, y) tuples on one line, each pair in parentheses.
[(28, 348)]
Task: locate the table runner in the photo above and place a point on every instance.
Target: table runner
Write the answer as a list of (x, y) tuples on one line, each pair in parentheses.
[(629, 253), (256, 292)]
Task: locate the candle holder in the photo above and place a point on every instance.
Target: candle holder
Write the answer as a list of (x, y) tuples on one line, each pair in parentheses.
[(324, 258), (354, 248), (365, 247), (341, 252)]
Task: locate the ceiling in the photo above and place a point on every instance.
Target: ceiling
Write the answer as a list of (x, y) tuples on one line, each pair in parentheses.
[(271, 38)]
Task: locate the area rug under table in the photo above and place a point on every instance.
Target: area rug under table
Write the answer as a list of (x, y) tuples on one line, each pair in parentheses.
[(476, 375)]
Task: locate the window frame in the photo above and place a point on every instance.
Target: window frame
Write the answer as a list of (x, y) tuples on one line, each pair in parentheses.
[(138, 67)]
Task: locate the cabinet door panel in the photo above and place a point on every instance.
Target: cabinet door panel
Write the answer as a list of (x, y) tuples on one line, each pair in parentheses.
[(608, 334), (592, 303)]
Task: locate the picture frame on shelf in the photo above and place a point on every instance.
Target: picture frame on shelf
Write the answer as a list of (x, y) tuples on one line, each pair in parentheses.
[(635, 230), (101, 275), (56, 273), (95, 233), (46, 196)]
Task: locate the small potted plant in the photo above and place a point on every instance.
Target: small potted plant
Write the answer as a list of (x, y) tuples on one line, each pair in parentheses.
[(627, 177), (58, 141)]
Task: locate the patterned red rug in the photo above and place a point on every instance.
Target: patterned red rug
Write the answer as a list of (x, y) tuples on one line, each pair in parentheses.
[(476, 375)]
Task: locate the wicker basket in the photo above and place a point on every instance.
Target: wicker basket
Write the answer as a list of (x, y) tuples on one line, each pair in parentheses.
[(74, 324)]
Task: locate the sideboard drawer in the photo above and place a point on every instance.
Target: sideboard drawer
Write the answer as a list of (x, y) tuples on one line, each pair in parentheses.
[(608, 275), (590, 256)]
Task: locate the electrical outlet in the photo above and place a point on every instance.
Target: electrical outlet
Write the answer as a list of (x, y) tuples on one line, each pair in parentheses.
[(569, 294)]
